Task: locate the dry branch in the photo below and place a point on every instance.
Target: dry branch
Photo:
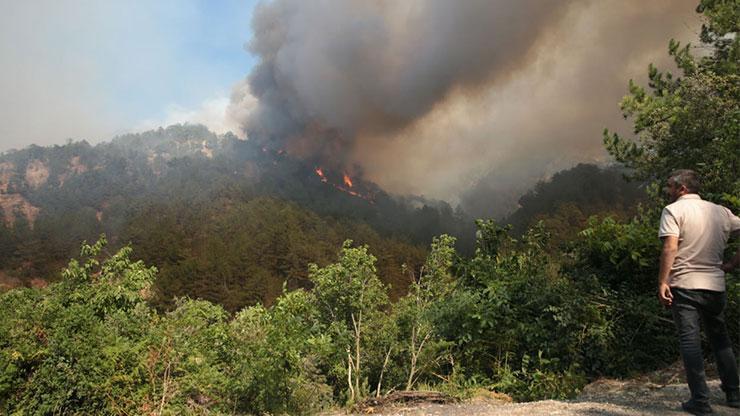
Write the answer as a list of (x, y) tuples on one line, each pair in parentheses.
[(406, 397)]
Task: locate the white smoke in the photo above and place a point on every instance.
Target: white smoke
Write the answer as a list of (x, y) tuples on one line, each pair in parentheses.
[(221, 114)]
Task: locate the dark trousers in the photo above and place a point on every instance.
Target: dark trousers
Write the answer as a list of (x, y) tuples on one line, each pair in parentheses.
[(688, 307)]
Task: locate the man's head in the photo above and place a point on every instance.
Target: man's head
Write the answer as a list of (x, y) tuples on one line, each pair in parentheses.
[(681, 182)]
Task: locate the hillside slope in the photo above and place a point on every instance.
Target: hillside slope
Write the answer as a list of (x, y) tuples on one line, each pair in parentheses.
[(52, 198)]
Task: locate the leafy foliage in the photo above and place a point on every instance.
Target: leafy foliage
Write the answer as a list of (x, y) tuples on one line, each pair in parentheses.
[(86, 334), (615, 263), (519, 315), (690, 122), (276, 354), (511, 304), (92, 343)]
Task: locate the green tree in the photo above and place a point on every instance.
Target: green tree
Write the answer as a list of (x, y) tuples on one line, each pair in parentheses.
[(516, 323), (420, 345), (351, 301), (693, 121), (72, 346), (688, 121), (186, 362), (276, 355)]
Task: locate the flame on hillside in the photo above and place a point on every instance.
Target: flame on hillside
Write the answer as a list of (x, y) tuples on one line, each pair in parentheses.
[(320, 172), (345, 187)]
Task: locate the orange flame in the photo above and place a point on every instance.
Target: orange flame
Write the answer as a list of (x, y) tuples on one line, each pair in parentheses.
[(347, 181), (320, 172)]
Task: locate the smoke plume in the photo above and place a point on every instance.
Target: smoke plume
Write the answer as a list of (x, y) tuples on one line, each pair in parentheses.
[(431, 96), (333, 71)]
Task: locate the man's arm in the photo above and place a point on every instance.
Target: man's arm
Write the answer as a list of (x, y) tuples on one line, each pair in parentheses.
[(667, 256)]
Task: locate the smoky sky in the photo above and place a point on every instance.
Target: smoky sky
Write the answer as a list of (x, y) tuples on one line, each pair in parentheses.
[(453, 100), (89, 69), (335, 70), (441, 97)]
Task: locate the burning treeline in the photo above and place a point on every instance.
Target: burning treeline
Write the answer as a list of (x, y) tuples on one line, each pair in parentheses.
[(340, 180), (346, 185)]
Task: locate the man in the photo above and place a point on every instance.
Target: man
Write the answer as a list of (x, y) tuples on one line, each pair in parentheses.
[(691, 282)]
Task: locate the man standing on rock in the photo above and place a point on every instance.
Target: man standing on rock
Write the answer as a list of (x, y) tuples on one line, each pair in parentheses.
[(692, 282)]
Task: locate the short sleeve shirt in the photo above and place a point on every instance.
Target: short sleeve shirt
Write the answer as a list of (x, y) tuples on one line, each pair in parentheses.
[(703, 229)]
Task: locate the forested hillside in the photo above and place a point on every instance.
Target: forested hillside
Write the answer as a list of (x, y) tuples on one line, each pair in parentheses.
[(244, 252), (281, 287), (173, 190), (566, 201)]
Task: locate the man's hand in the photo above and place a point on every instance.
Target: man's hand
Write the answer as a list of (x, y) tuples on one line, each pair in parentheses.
[(664, 294)]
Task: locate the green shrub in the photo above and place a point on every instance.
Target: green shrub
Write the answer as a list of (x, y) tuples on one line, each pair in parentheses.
[(73, 345)]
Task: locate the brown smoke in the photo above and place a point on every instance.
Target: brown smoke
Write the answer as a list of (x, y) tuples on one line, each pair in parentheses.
[(430, 96), (335, 70)]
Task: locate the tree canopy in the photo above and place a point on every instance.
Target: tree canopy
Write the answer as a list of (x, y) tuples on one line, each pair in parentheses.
[(690, 121)]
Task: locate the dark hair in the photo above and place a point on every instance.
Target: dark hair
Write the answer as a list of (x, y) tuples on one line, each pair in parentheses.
[(687, 178)]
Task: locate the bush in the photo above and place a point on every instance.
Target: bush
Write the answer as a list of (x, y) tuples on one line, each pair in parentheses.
[(512, 303), (74, 345), (616, 265), (276, 354)]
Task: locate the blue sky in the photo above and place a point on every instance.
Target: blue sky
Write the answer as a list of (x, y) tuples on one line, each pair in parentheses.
[(205, 55), (86, 69)]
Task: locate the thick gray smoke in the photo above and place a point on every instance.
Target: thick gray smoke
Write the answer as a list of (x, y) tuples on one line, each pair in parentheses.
[(429, 97), (331, 71)]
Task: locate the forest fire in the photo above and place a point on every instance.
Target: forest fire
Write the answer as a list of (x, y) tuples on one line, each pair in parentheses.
[(320, 172), (345, 187)]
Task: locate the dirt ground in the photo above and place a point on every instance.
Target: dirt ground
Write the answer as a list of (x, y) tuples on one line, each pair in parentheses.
[(657, 394)]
